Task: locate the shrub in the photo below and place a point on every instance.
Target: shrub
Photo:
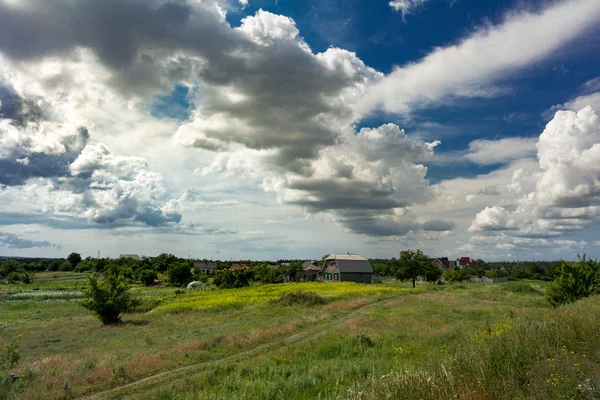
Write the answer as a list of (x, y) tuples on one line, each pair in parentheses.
[(180, 273), (232, 279), (9, 353), (456, 275), (495, 273), (304, 298), (574, 281), (147, 276), (110, 298)]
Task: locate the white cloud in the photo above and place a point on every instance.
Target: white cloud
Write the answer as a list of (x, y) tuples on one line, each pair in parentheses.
[(563, 194), (468, 68), (500, 151), (406, 6)]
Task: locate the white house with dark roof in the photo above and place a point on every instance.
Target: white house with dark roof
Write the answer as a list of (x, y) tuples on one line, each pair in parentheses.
[(347, 268)]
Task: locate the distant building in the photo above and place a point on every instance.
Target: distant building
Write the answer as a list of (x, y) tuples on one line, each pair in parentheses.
[(443, 263), (237, 267), (347, 268), (310, 272), (131, 256), (466, 262), (205, 267)]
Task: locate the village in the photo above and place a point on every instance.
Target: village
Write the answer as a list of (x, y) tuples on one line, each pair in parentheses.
[(342, 268)]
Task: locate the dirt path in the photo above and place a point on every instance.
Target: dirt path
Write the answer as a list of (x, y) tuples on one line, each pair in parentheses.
[(301, 336)]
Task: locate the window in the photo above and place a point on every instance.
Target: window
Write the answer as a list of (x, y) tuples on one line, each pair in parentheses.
[(327, 276), (335, 276)]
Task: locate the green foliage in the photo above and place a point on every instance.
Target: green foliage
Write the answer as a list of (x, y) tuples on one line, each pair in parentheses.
[(147, 276), (495, 273), (265, 274), (110, 298), (413, 264), (574, 281), (304, 298), (180, 273), (9, 266), (13, 272), (74, 259), (163, 261), (457, 275), (127, 273), (9, 353), (233, 279)]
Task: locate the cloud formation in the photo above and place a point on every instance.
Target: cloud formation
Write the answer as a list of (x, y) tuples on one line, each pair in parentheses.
[(406, 6), (563, 193), (468, 68), (13, 241)]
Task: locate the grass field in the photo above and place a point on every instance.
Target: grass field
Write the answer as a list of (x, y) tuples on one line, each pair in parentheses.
[(478, 341)]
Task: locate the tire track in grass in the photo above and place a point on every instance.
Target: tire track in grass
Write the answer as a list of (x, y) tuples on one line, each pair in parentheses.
[(169, 376)]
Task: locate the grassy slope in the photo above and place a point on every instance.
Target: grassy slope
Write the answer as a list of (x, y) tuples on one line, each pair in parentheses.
[(337, 350)]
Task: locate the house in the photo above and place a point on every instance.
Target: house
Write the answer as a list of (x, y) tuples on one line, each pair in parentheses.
[(347, 268), (131, 257), (443, 263), (237, 267), (205, 267), (310, 272), (466, 262)]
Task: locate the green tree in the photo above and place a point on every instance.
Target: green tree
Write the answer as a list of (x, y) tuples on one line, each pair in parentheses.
[(413, 264), (232, 279), (147, 276), (457, 275), (180, 273), (109, 298), (163, 261), (574, 281), (74, 259), (9, 266)]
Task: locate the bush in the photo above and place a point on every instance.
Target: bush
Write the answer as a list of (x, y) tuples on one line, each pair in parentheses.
[(574, 281), (232, 279), (495, 273), (147, 276), (304, 298), (9, 354), (127, 273), (180, 273), (110, 298), (456, 275)]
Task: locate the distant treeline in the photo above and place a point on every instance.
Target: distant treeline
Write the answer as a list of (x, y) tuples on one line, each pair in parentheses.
[(541, 270), (20, 269), (174, 270)]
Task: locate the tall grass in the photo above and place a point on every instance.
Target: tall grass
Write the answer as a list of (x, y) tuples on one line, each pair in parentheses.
[(550, 356)]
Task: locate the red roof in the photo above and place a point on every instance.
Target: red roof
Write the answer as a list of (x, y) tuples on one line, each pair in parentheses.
[(235, 267)]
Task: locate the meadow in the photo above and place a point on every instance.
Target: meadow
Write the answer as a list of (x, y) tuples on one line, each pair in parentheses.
[(476, 341)]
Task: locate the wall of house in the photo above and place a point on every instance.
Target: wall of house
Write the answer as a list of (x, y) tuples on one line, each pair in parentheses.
[(330, 268), (359, 277), (306, 276)]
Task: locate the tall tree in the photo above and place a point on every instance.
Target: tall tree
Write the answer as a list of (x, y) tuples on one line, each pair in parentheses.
[(74, 259), (413, 264)]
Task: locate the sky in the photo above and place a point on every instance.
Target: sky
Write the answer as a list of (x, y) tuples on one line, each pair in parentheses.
[(280, 129)]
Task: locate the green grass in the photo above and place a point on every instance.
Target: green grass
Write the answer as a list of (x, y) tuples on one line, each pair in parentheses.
[(366, 341)]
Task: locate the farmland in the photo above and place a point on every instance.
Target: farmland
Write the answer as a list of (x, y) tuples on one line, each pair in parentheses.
[(367, 341)]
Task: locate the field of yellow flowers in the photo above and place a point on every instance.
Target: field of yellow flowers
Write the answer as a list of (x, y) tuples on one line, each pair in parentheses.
[(263, 294)]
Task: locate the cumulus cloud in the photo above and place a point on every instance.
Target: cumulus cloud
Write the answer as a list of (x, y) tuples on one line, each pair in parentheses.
[(467, 68), (563, 194), (13, 241)]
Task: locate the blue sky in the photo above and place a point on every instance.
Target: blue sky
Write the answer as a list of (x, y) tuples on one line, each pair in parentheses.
[(271, 129)]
